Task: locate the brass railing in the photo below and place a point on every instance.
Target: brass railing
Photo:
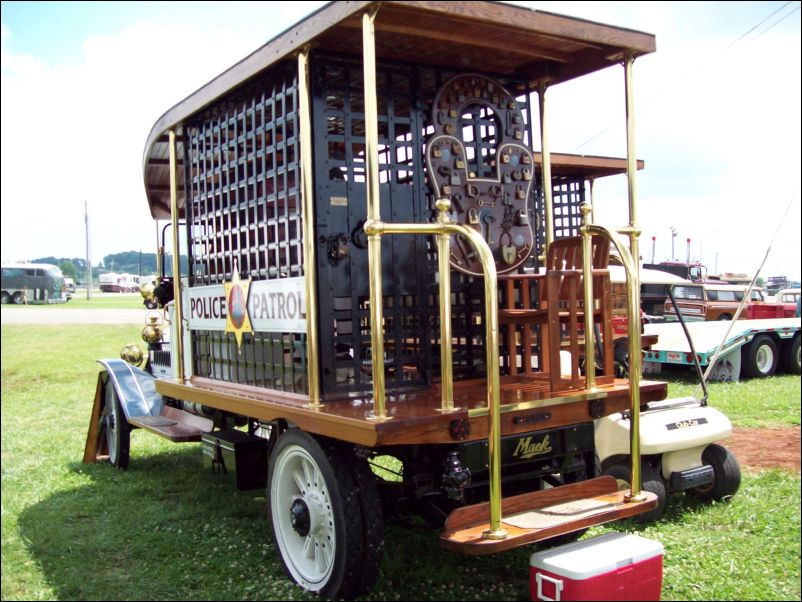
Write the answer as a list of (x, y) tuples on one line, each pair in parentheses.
[(443, 229), (633, 332)]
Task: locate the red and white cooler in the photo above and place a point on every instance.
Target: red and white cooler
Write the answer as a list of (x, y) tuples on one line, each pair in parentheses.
[(613, 566)]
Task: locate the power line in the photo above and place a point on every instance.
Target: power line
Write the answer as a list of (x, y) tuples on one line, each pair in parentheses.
[(619, 122)]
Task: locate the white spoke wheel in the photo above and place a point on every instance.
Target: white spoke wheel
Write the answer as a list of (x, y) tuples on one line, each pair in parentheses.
[(317, 507), (115, 428)]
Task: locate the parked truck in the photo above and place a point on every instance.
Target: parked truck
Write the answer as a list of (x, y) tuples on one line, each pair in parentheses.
[(366, 219)]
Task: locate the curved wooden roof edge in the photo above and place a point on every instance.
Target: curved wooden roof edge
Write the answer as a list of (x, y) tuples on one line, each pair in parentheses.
[(541, 46)]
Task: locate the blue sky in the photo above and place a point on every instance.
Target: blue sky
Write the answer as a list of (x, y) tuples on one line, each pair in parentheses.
[(717, 117)]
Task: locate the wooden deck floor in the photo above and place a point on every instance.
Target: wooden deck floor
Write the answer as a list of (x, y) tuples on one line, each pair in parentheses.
[(526, 405)]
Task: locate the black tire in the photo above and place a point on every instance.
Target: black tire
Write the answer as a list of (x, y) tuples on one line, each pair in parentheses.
[(5, 298), (726, 479), (759, 358), (651, 481), (621, 357), (115, 428), (724, 317), (790, 356), (314, 500), (18, 298), (372, 521)]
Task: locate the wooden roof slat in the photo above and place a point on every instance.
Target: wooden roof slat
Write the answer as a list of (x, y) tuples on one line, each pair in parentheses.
[(589, 33), (495, 43)]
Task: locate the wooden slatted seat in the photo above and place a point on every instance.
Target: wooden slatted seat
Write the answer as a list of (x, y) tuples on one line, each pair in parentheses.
[(559, 313)]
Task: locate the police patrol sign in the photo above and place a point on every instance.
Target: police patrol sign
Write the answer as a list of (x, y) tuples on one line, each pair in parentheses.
[(243, 306)]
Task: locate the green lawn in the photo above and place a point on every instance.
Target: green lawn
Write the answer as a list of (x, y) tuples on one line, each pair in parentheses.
[(167, 530), (79, 301)]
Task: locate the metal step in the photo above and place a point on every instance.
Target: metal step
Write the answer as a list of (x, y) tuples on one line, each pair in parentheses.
[(174, 424), (532, 517)]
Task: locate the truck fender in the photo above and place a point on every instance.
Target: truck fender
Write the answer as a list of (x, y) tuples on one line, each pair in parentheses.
[(135, 388)]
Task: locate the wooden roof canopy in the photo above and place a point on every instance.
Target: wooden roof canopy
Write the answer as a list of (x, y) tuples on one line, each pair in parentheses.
[(488, 37)]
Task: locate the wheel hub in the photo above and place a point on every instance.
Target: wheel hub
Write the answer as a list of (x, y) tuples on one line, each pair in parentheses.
[(300, 518)]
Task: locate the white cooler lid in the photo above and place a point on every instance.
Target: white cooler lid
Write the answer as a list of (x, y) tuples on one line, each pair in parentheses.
[(596, 556)]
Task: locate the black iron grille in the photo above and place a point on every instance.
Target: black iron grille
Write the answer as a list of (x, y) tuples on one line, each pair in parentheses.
[(244, 213), (409, 268)]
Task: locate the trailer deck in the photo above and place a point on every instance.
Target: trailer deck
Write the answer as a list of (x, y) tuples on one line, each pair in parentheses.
[(672, 346)]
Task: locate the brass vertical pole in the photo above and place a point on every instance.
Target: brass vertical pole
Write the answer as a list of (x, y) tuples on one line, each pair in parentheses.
[(632, 167), (178, 344), (546, 155), (587, 277), (444, 271), (635, 359), (308, 217), (496, 531), (374, 212)]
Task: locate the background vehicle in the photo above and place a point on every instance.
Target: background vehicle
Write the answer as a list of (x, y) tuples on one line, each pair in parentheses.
[(32, 283), (693, 271), (311, 339), (754, 348), (680, 451), (783, 306), (118, 283), (654, 286), (705, 301)]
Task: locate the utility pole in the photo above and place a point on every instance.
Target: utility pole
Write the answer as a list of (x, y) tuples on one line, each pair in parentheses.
[(88, 260), (673, 236), (654, 240)]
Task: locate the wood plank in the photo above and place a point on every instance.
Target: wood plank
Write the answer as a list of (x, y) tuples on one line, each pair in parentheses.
[(496, 39), (415, 415), (174, 424), (540, 515), (559, 28), (93, 448), (468, 516)]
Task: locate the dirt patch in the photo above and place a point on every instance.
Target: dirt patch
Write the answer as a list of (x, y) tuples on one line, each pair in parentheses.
[(756, 449)]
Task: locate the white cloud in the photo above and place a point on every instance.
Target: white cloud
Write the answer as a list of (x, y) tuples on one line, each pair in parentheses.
[(718, 124), (76, 133)]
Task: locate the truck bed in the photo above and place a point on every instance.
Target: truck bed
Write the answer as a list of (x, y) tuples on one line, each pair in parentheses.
[(672, 346)]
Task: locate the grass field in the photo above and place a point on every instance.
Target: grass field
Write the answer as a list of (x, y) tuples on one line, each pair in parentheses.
[(167, 530), (98, 300)]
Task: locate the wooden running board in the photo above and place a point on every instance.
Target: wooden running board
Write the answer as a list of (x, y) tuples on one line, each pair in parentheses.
[(174, 424), (532, 517)]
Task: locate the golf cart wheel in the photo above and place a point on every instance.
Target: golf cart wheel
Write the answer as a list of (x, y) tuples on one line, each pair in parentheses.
[(760, 356), (621, 357), (316, 511), (116, 428), (651, 481), (726, 475)]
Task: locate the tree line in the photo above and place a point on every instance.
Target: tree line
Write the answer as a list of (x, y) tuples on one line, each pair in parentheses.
[(127, 262)]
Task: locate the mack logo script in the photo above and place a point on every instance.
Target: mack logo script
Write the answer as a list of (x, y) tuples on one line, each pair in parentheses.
[(526, 449)]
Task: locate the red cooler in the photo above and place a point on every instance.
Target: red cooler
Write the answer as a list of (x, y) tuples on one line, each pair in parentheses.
[(613, 566)]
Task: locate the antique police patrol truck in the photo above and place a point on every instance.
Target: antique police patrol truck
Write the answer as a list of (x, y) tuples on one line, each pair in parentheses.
[(396, 301)]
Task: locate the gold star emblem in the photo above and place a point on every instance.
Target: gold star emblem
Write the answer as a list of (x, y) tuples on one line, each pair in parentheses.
[(237, 318)]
